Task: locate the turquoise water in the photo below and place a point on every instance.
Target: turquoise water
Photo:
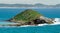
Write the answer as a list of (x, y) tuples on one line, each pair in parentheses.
[(6, 23), (36, 29), (7, 13)]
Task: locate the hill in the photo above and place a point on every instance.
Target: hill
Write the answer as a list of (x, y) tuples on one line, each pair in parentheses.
[(27, 15), (30, 17)]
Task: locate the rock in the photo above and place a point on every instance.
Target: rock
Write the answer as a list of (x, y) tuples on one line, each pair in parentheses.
[(38, 21)]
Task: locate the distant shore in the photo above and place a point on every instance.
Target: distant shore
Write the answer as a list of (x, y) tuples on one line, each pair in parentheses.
[(30, 7)]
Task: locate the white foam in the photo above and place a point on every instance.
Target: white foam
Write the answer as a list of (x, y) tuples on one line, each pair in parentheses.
[(55, 23), (26, 25), (41, 24)]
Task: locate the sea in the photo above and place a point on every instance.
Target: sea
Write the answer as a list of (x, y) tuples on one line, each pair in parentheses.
[(8, 13)]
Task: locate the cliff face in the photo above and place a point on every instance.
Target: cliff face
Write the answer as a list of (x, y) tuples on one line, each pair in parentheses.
[(27, 15)]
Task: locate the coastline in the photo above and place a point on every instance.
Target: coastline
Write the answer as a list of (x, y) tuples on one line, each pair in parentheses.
[(55, 23), (30, 7)]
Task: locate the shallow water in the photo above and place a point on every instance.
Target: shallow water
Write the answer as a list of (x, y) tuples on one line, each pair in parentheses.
[(6, 23)]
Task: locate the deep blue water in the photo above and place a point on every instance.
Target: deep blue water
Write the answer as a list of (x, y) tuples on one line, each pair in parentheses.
[(7, 13)]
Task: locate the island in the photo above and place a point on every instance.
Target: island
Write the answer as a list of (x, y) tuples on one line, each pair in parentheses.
[(30, 17)]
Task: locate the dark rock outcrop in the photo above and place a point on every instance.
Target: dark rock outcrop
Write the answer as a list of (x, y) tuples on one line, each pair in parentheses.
[(38, 21)]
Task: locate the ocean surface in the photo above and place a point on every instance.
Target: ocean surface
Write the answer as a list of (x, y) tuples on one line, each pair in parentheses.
[(7, 13)]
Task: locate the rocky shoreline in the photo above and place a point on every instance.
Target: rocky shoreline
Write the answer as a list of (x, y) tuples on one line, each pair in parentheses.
[(54, 22), (41, 20)]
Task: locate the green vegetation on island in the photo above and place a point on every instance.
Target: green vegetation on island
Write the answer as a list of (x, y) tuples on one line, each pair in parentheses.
[(27, 15), (30, 17)]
